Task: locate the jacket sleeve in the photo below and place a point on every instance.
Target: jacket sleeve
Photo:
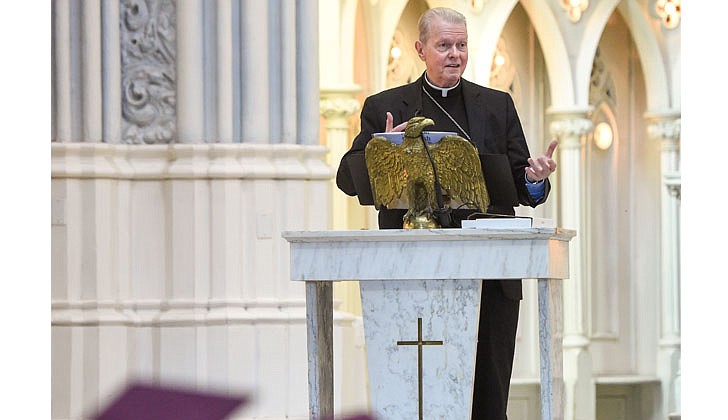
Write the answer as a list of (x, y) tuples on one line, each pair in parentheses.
[(518, 155), (369, 125)]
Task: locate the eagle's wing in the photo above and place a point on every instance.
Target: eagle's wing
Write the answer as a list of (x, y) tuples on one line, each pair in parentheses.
[(459, 172), (386, 171)]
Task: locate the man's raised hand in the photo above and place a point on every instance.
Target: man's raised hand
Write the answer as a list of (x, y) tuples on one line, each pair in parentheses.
[(543, 166), (390, 122)]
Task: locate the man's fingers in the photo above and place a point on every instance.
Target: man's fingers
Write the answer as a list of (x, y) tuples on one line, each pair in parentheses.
[(552, 147), (547, 162), (389, 123), (535, 165), (400, 127), (532, 175)]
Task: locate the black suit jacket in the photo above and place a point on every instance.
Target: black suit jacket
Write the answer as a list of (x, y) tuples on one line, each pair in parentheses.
[(494, 127)]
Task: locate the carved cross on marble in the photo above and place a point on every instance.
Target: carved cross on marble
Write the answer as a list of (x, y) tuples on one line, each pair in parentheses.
[(419, 343)]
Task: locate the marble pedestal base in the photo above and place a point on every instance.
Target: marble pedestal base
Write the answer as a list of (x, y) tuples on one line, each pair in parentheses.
[(424, 372), (409, 261)]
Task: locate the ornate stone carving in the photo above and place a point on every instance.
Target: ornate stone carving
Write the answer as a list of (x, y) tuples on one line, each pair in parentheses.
[(148, 75), (338, 107), (503, 75), (570, 130), (403, 66), (602, 85), (673, 184), (667, 132)]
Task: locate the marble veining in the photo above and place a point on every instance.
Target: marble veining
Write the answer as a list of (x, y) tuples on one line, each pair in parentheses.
[(429, 254), (449, 312)]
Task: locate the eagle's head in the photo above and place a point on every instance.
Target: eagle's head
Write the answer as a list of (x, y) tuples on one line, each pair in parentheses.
[(415, 126)]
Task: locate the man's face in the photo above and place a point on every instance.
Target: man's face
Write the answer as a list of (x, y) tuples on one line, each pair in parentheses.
[(445, 52)]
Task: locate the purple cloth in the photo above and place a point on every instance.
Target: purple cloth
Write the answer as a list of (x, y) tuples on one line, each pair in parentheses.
[(151, 402)]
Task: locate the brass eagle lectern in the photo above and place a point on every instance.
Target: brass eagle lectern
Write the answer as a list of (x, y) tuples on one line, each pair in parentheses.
[(406, 174)]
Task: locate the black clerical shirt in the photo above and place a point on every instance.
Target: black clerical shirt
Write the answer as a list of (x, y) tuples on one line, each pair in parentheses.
[(453, 103)]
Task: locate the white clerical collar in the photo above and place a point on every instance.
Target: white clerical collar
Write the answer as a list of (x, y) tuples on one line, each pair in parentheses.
[(443, 91)]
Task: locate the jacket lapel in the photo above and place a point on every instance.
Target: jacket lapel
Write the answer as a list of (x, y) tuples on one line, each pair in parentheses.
[(478, 118), (411, 101)]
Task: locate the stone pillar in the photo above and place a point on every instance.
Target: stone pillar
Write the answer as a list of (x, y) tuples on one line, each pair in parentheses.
[(254, 72), (91, 71), (288, 73), (190, 86), (337, 105), (61, 80), (580, 394), (225, 85), (307, 71), (666, 130), (111, 71), (76, 78)]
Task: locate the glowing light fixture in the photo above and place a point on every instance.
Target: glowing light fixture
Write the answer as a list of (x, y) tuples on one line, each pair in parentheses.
[(575, 8), (669, 12), (499, 60), (603, 135), (396, 52)]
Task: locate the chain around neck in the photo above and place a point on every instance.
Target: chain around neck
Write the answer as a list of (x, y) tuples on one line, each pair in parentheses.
[(448, 114)]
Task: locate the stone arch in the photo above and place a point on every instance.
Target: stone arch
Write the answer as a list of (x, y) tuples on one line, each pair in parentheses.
[(593, 29), (491, 21), (555, 52), (648, 49)]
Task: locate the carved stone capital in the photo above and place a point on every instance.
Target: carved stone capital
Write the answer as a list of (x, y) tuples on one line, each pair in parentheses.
[(570, 131), (338, 107), (666, 131), (673, 183)]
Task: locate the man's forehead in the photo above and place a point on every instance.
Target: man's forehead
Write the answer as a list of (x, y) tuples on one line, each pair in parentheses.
[(449, 33), (442, 29)]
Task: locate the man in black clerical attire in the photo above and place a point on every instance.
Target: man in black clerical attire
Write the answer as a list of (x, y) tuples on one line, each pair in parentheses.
[(488, 119)]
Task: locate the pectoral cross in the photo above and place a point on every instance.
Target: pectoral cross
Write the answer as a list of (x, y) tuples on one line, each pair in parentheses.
[(419, 343)]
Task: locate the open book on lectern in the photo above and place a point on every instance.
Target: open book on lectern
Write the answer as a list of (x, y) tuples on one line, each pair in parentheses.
[(496, 171)]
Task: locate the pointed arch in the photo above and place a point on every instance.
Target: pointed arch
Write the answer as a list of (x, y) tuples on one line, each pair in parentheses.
[(491, 21), (651, 58), (555, 53), (593, 29)]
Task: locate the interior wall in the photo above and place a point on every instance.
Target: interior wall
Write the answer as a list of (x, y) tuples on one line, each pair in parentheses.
[(622, 236), (524, 79)]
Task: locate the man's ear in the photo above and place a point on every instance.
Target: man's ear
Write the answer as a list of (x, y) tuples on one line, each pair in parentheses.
[(420, 49)]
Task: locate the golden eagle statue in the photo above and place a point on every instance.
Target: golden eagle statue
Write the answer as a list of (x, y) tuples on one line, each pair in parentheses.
[(404, 173)]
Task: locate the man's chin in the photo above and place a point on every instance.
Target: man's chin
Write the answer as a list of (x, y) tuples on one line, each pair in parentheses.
[(452, 79)]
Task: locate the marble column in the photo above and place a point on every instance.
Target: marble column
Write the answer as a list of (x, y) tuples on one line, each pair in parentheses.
[(225, 85), (255, 72), (91, 71), (76, 79), (190, 86), (111, 71), (307, 71), (580, 394), (666, 130), (62, 96)]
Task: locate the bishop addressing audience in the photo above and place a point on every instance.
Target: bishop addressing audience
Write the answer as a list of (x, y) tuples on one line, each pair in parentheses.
[(488, 119)]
